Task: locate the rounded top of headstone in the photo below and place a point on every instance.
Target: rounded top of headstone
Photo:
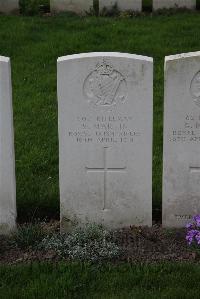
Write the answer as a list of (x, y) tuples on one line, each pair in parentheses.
[(4, 59), (105, 54), (182, 56)]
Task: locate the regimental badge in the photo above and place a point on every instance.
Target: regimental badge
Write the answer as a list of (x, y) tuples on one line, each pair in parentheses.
[(105, 86), (195, 89)]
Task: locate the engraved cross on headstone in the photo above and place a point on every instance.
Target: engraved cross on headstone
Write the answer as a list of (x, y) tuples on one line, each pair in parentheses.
[(194, 169), (194, 188), (105, 170)]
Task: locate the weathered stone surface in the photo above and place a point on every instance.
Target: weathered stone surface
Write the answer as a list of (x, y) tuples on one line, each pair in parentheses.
[(9, 6), (105, 139), (160, 4), (123, 5), (181, 168), (77, 6), (7, 159)]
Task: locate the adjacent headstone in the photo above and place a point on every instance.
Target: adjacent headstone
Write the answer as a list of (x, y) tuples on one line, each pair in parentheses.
[(122, 5), (181, 174), (161, 4), (76, 6), (9, 6), (7, 159), (105, 139)]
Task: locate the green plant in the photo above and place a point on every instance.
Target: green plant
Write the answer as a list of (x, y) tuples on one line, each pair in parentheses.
[(94, 11), (172, 11), (129, 14), (111, 12), (28, 235), (91, 243), (33, 7)]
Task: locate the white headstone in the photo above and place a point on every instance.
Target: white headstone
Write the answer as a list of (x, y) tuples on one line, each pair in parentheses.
[(105, 139), (7, 159), (123, 5), (181, 174), (9, 6), (77, 6), (160, 4)]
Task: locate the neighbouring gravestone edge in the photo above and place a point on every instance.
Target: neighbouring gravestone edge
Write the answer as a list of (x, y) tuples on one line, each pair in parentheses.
[(9, 215), (8, 7), (4, 59), (179, 195), (182, 56)]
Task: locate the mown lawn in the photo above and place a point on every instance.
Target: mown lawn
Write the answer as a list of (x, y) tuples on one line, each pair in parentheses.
[(54, 281), (34, 43)]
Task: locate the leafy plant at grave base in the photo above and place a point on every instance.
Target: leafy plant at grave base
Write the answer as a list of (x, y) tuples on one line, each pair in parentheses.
[(33, 7), (172, 11), (28, 235), (129, 14), (95, 10), (193, 233), (91, 243), (111, 12)]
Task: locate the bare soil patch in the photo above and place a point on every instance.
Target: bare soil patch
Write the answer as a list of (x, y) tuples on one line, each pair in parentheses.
[(139, 244)]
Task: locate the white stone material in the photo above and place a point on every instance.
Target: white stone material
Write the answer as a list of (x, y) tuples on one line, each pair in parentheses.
[(160, 4), (9, 6), (105, 139), (123, 5), (77, 6), (7, 158), (181, 168)]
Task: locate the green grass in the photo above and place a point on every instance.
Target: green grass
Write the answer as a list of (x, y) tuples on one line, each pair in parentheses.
[(34, 43), (170, 281)]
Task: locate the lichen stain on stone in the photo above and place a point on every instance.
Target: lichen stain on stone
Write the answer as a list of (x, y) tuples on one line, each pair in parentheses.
[(5, 229), (67, 224)]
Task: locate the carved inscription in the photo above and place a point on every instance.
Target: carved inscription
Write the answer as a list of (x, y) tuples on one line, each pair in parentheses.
[(105, 86), (104, 129), (183, 217), (189, 131)]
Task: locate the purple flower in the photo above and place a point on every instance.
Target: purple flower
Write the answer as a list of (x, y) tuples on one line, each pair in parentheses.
[(193, 231), (197, 237), (197, 220), (189, 240), (191, 234), (189, 225)]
